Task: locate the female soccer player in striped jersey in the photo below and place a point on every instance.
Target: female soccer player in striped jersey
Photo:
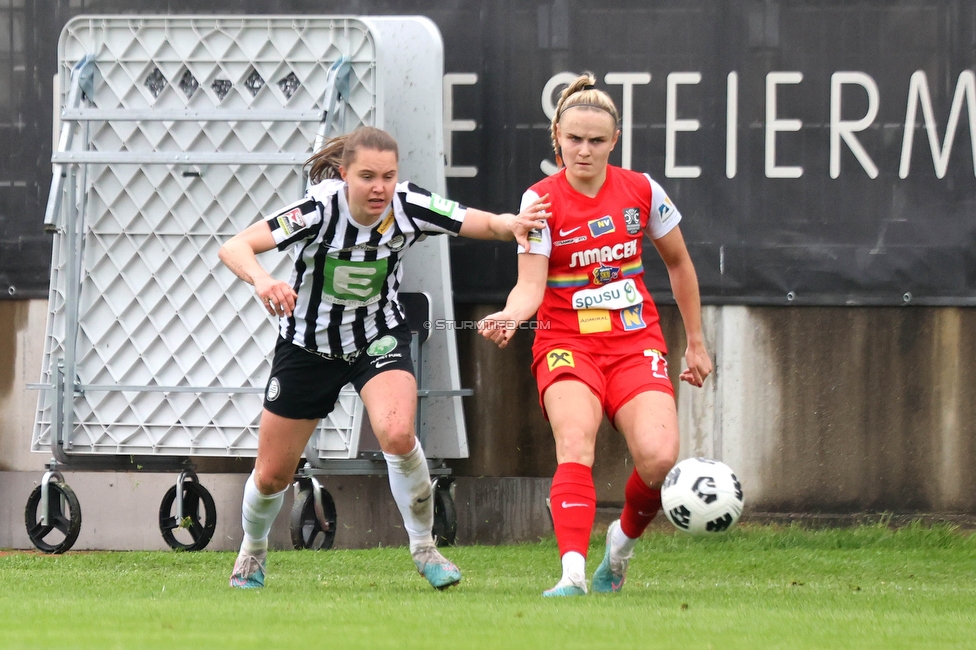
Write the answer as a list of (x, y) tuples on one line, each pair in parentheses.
[(340, 322), (602, 350)]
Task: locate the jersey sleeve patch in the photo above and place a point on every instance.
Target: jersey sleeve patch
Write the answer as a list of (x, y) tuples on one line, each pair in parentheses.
[(664, 215), (432, 213), (294, 222)]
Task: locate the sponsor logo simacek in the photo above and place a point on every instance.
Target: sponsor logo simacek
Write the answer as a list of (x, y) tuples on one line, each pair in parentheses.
[(603, 254)]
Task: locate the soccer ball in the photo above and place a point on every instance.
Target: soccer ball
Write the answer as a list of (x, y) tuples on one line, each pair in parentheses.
[(701, 496)]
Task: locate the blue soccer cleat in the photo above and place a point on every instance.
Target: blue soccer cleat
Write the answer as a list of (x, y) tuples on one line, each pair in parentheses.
[(439, 571), (610, 575), (249, 570)]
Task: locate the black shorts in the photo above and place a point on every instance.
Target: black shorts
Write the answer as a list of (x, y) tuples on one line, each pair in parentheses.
[(305, 385)]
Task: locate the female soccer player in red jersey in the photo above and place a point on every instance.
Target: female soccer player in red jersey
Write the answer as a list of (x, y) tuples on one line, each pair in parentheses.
[(602, 350)]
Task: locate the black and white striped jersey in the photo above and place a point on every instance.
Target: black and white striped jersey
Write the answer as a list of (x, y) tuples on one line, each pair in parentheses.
[(347, 275)]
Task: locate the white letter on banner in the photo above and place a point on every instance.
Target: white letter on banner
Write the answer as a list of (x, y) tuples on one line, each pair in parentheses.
[(628, 80), (847, 128), (918, 92), (672, 125), (732, 125), (774, 125), (451, 125)]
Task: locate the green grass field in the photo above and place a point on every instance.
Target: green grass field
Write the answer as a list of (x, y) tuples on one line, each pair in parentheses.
[(758, 587)]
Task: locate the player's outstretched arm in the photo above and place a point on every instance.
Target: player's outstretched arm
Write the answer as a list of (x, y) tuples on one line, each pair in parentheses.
[(523, 301), (239, 254), (684, 285), (479, 224)]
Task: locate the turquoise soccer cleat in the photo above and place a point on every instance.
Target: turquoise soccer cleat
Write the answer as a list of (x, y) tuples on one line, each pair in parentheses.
[(566, 587), (439, 571), (249, 570), (610, 575)]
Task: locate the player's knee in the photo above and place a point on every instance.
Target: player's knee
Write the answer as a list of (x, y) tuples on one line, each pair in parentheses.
[(574, 446), (270, 481), (399, 438), (654, 467)]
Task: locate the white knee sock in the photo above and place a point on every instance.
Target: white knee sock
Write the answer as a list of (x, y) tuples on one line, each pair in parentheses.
[(574, 568), (410, 484), (258, 512), (621, 546)]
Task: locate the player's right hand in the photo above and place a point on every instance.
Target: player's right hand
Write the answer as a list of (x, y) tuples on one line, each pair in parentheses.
[(277, 296)]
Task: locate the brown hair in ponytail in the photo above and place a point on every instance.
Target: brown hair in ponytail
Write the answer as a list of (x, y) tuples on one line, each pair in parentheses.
[(341, 151)]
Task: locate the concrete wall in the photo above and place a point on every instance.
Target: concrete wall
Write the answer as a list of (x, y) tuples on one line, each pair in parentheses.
[(22, 324), (120, 511), (818, 410)]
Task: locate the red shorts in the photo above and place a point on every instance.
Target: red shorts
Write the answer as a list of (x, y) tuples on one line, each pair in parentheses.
[(615, 379)]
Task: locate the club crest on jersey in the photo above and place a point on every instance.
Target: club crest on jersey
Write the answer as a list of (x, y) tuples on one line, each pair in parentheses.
[(558, 358), (381, 346), (601, 226), (397, 243), (274, 389), (632, 219), (603, 274)]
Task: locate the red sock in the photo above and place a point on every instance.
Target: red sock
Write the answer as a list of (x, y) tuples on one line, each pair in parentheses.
[(572, 500), (641, 504)]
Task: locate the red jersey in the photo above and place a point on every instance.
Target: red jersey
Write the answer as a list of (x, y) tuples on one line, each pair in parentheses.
[(595, 295)]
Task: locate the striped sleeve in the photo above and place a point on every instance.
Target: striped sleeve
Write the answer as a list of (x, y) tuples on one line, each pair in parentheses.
[(295, 222), (433, 214)]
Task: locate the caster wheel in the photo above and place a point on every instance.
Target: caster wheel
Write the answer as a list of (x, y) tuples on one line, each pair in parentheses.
[(309, 529), (196, 529), (64, 517), (445, 515)]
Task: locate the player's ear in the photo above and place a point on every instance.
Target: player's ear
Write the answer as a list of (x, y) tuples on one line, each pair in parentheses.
[(616, 136), (342, 172)]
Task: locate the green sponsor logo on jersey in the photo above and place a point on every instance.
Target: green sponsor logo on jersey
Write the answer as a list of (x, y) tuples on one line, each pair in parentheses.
[(381, 346), (443, 206), (353, 283)]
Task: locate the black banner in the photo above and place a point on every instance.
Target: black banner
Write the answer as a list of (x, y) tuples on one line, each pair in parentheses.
[(820, 152)]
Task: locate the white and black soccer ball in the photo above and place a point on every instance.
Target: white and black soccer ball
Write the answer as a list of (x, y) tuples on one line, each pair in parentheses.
[(702, 496)]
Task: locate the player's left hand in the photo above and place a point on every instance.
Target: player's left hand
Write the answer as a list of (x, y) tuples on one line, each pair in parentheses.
[(499, 328), (533, 217), (699, 364)]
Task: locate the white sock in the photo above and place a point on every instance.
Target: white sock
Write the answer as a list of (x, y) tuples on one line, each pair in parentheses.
[(258, 512), (574, 568), (410, 484), (621, 546)]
